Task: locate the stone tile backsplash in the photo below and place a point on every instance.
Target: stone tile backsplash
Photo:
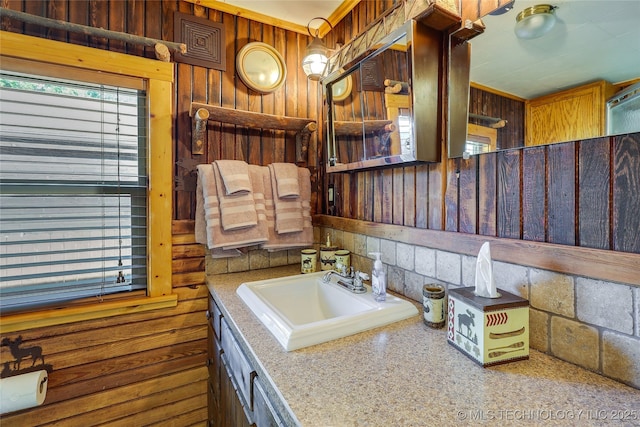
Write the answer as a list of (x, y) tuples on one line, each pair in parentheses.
[(591, 323)]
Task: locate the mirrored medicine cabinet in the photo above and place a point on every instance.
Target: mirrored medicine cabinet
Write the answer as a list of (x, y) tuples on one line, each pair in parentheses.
[(383, 109), (556, 88)]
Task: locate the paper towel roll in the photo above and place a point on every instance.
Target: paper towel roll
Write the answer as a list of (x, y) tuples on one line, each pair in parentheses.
[(22, 391)]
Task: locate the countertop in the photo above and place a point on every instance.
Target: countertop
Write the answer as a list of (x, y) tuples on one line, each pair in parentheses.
[(406, 374)]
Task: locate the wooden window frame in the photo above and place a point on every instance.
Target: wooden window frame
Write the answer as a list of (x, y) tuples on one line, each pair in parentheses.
[(20, 52)]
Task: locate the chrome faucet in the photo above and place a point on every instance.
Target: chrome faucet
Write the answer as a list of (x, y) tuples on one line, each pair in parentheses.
[(351, 280)]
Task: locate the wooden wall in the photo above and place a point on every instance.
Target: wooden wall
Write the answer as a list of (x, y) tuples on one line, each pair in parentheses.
[(297, 98), (151, 365), (139, 369), (490, 104), (581, 193)]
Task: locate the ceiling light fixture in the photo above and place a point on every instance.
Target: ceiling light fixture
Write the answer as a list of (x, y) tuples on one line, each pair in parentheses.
[(315, 55), (535, 21)]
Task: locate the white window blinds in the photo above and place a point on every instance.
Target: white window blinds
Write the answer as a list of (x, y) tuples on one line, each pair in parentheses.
[(73, 191)]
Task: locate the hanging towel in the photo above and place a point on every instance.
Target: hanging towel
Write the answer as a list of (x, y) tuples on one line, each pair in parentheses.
[(201, 228), (216, 236), (302, 239), (238, 210), (286, 175), (288, 211), (235, 176)]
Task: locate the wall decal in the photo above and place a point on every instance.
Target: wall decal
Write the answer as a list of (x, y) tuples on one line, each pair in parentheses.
[(20, 353)]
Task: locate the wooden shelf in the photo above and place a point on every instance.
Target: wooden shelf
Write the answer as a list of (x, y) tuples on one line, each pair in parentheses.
[(253, 119), (201, 113), (357, 128)]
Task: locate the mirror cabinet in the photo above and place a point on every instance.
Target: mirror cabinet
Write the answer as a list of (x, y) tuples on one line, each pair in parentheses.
[(383, 109), (564, 86)]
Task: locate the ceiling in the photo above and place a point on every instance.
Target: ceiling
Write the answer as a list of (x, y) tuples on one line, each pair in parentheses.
[(592, 40), (299, 12)]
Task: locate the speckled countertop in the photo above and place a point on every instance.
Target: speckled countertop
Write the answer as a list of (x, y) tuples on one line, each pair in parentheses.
[(406, 374)]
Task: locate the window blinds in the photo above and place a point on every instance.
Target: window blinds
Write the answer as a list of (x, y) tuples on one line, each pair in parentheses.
[(73, 188)]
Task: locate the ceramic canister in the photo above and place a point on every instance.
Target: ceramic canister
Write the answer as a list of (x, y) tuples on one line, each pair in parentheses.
[(328, 257), (343, 258), (308, 260), (433, 305)]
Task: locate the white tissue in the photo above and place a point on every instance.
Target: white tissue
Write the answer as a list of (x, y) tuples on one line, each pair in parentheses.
[(485, 285)]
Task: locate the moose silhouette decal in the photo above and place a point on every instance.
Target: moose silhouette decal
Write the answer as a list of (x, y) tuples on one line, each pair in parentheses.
[(466, 320), (33, 352)]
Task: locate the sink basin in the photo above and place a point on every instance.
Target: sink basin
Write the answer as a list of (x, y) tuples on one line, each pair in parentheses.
[(302, 310)]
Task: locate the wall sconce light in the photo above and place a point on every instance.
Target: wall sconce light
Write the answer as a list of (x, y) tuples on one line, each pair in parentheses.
[(535, 21), (315, 55)]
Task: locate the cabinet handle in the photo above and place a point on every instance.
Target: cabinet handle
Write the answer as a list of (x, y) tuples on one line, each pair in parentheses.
[(207, 314)]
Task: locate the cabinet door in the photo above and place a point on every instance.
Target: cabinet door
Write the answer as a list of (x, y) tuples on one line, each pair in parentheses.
[(214, 363), (232, 410), (263, 412), (239, 366), (570, 115), (215, 317)]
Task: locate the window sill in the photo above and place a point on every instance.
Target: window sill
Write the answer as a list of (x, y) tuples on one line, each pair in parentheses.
[(38, 319)]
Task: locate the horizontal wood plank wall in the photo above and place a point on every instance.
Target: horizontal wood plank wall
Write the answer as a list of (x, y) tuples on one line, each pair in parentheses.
[(134, 369)]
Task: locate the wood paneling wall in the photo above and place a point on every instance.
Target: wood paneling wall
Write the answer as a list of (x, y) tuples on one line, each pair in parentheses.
[(139, 369), (297, 98), (491, 104), (581, 193)]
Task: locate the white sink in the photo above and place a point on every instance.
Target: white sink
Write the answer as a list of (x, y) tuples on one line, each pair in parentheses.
[(302, 310)]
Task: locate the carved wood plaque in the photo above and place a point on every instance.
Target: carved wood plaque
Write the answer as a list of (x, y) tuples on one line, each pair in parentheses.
[(204, 40)]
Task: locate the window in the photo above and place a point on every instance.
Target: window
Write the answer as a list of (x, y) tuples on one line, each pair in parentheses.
[(73, 184), (86, 186)]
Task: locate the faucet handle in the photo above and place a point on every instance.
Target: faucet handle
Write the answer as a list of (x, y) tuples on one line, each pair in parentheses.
[(358, 286)]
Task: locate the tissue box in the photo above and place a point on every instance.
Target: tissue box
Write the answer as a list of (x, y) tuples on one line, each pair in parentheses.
[(490, 331)]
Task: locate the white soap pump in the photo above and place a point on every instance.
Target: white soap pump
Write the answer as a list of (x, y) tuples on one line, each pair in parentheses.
[(378, 279)]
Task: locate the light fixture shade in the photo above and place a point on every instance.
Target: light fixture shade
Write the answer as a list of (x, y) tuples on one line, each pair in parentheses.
[(315, 59), (535, 21)]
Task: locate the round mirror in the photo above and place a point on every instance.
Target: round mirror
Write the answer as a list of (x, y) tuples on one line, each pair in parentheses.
[(261, 67), (342, 89)]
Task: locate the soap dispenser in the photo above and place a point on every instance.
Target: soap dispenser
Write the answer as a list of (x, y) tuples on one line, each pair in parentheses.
[(378, 279)]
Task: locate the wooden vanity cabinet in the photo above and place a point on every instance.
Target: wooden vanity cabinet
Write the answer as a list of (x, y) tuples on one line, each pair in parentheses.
[(236, 396), (570, 115)]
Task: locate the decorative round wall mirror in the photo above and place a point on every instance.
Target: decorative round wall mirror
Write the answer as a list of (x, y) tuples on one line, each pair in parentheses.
[(261, 67), (342, 89)]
